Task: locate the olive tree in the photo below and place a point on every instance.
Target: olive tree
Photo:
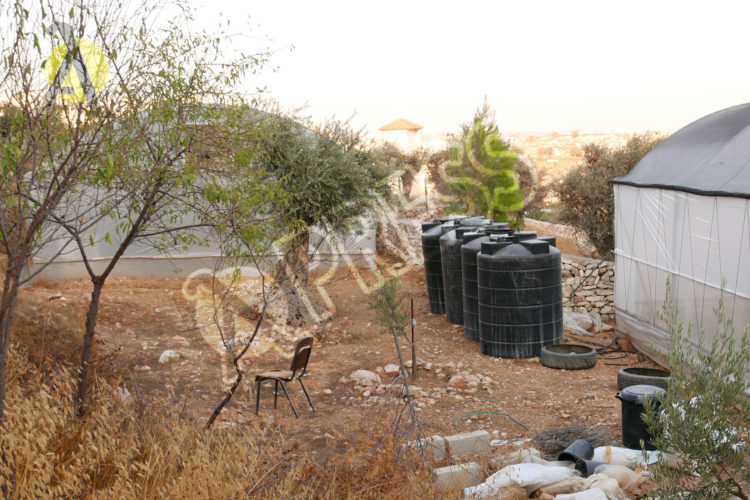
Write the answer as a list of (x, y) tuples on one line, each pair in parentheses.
[(329, 175)]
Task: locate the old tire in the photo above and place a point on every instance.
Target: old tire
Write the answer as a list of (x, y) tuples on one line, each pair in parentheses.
[(568, 356), (642, 376)]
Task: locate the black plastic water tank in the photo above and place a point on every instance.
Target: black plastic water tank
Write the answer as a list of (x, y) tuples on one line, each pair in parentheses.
[(495, 233), (450, 253), (433, 266), (475, 221), (469, 250), (498, 228), (451, 218), (520, 297)]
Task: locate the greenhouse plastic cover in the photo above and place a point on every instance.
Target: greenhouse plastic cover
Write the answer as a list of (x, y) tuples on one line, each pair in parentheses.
[(142, 259), (710, 156), (700, 242)]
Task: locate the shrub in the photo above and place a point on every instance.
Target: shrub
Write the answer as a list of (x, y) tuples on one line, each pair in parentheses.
[(705, 417), (586, 193)]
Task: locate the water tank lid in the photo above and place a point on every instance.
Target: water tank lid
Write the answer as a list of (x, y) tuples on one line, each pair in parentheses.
[(472, 236), (451, 218), (461, 231), (434, 231), (636, 393), (490, 247), (524, 235), (501, 237), (498, 227), (499, 231), (537, 247), (475, 221), (549, 239), (429, 225)]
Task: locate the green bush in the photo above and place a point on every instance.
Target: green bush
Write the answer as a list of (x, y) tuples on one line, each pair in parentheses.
[(481, 172), (586, 193), (705, 417)]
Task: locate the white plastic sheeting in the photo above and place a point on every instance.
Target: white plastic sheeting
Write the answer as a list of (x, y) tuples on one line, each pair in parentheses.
[(699, 242), (59, 259)]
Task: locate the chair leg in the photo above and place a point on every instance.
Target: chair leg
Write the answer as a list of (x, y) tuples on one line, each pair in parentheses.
[(283, 386), (275, 392), (306, 394), (257, 395)]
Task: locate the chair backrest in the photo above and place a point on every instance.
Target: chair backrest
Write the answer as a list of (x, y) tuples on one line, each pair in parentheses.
[(301, 356)]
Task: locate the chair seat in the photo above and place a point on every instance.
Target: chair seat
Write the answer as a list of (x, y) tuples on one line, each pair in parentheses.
[(284, 374), (281, 377)]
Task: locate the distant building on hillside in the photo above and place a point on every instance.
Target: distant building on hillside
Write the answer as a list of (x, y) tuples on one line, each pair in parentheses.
[(403, 133)]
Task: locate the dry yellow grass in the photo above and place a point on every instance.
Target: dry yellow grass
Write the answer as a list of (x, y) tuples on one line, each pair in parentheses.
[(125, 449), (136, 449)]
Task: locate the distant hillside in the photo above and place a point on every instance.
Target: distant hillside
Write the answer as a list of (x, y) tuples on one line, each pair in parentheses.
[(555, 154)]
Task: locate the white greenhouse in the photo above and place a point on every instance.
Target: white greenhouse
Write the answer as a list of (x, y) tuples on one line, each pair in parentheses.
[(684, 213)]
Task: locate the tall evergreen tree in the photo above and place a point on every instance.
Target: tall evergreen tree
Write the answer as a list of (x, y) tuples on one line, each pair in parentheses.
[(481, 173)]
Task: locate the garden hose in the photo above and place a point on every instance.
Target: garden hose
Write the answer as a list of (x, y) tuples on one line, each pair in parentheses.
[(491, 413)]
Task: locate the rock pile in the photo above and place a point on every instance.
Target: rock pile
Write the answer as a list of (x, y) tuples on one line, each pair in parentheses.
[(375, 387)]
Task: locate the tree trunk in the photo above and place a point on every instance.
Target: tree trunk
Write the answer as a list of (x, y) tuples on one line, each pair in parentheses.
[(7, 306), (402, 366), (88, 342), (293, 281)]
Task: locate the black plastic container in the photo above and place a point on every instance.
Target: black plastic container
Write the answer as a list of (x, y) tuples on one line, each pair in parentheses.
[(476, 221), (451, 218), (633, 427), (580, 449), (498, 228), (469, 250), (450, 254), (588, 467), (433, 266), (520, 296)]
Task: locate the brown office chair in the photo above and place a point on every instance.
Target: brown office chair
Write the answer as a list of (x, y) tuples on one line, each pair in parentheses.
[(297, 370)]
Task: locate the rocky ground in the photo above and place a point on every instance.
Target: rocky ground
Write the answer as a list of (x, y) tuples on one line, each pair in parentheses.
[(351, 368)]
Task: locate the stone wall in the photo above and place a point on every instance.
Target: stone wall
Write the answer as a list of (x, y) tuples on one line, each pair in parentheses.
[(596, 294)]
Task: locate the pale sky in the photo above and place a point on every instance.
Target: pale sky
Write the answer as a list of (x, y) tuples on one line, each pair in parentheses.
[(594, 66)]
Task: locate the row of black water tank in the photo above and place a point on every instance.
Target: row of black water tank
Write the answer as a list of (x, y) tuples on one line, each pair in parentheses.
[(503, 286)]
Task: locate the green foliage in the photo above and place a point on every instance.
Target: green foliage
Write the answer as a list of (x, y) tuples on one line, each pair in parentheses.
[(389, 304), (705, 417), (586, 193), (405, 165), (328, 173), (534, 190), (481, 172)]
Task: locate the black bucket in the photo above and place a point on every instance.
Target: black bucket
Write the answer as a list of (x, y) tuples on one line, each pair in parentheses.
[(587, 467), (577, 450), (634, 429)]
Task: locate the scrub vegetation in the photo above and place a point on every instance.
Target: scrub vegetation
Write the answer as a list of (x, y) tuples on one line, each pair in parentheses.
[(705, 417), (586, 195)]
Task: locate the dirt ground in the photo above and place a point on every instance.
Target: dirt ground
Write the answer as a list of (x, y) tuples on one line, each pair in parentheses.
[(141, 318)]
